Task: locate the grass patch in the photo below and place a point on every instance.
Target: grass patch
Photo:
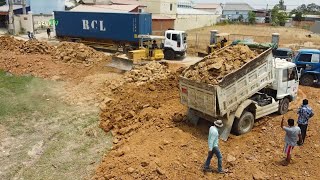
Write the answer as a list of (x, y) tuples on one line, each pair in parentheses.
[(32, 114)]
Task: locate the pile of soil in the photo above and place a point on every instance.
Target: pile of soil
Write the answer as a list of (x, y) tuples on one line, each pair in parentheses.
[(9, 43), (215, 66), (147, 73), (71, 53), (36, 47)]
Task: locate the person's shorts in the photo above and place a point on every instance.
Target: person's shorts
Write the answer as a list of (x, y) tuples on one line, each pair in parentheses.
[(288, 149)]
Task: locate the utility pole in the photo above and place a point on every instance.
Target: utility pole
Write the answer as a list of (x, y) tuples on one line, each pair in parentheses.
[(10, 26), (24, 9)]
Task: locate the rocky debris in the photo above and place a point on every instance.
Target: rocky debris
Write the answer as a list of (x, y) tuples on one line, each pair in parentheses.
[(36, 47), (130, 169), (259, 175), (216, 65), (147, 73), (138, 107), (231, 159), (160, 171), (70, 52), (9, 43)]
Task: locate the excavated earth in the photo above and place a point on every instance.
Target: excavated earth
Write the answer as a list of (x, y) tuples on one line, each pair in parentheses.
[(152, 138), (215, 66)]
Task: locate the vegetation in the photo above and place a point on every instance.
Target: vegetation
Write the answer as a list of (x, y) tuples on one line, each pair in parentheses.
[(278, 17), (251, 17), (2, 2)]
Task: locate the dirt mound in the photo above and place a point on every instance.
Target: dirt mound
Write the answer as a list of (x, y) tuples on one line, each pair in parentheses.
[(217, 65), (71, 53), (123, 120), (36, 47), (147, 73), (9, 43)]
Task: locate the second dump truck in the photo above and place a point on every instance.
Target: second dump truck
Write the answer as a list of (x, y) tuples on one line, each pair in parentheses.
[(262, 86)]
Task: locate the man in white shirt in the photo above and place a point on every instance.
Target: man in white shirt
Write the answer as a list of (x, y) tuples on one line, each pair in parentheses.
[(293, 135), (213, 143)]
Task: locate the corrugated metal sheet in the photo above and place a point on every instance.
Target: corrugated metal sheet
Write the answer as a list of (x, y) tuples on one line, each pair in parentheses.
[(237, 7), (190, 11), (316, 27), (206, 6), (5, 8), (108, 26), (128, 2), (105, 8)]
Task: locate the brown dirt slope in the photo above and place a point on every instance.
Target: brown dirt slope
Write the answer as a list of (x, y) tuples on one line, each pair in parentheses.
[(155, 142)]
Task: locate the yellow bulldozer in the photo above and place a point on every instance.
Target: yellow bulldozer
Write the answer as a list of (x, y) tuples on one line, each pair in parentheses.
[(217, 41), (150, 49)]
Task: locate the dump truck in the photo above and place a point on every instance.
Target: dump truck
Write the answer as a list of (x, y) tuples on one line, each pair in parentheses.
[(260, 87)]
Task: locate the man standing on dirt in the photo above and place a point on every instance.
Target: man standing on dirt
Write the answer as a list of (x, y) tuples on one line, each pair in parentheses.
[(305, 113), (213, 142), (293, 134), (48, 32)]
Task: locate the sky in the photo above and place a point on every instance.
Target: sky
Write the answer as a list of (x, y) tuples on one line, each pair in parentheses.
[(291, 4)]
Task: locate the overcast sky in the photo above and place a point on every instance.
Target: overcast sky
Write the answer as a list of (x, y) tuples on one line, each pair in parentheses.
[(291, 4)]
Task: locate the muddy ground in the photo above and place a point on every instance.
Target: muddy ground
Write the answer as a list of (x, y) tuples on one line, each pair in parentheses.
[(53, 114)]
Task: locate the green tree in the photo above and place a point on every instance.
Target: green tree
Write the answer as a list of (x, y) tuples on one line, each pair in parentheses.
[(240, 18), (2, 2), (278, 17), (281, 5), (298, 16), (251, 17)]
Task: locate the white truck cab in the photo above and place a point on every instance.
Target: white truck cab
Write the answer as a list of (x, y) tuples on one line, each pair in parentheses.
[(175, 43)]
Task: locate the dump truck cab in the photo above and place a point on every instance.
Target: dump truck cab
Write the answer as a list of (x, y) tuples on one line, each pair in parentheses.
[(308, 64), (175, 44)]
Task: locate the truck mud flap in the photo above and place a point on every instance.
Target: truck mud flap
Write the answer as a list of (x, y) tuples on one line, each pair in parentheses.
[(121, 63), (227, 126)]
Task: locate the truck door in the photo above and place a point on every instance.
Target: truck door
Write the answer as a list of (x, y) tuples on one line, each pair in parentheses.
[(308, 62), (288, 84)]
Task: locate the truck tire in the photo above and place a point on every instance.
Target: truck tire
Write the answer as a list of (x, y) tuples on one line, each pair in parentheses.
[(306, 80), (169, 55), (283, 106), (244, 124)]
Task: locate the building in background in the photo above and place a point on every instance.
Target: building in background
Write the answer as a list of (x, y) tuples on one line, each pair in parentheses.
[(18, 2), (161, 23), (232, 11), (209, 7), (4, 14)]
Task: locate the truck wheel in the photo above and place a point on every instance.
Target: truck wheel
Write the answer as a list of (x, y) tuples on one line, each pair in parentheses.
[(283, 106), (306, 80), (244, 124), (169, 55)]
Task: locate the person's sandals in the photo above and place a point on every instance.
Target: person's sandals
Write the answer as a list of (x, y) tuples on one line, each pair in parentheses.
[(209, 169)]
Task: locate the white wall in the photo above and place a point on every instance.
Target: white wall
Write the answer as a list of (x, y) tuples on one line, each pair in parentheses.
[(182, 22), (26, 22), (41, 22)]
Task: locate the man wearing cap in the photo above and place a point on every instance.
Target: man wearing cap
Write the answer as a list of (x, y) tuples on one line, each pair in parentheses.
[(213, 142)]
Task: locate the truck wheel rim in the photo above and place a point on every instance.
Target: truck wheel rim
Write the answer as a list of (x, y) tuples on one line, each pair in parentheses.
[(245, 125)]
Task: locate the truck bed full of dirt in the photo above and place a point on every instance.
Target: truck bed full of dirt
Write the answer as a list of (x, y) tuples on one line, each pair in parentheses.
[(217, 65)]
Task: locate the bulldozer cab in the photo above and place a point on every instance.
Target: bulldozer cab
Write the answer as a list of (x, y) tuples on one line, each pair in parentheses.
[(221, 40)]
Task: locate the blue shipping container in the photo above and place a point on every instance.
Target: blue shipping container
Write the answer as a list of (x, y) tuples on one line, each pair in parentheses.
[(103, 26)]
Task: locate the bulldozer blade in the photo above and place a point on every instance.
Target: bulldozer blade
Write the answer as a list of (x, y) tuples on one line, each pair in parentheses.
[(121, 63)]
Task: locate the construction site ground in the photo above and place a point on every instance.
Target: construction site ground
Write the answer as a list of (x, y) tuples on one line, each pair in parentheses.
[(65, 119)]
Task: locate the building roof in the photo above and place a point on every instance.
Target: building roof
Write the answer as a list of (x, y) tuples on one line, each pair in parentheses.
[(206, 6), (128, 2), (105, 8), (5, 8), (191, 11), (159, 17), (237, 7)]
